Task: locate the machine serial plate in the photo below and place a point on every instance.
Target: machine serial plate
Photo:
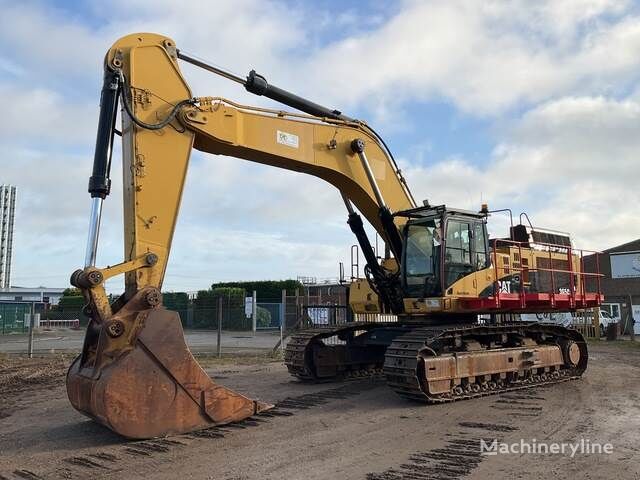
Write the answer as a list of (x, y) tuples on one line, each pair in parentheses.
[(288, 139)]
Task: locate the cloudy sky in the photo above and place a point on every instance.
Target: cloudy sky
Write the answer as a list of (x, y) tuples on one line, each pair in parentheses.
[(529, 105)]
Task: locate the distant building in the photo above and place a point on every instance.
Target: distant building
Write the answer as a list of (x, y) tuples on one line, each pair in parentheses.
[(323, 290), (50, 296), (7, 215), (620, 283)]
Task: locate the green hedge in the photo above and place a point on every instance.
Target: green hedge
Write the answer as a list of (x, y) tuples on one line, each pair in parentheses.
[(175, 300), (202, 311), (265, 289), (205, 309), (69, 306)]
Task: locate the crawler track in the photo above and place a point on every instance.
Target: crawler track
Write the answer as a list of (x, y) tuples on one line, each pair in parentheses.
[(405, 356), (308, 358)]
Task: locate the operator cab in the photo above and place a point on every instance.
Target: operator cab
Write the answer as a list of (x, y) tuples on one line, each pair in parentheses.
[(442, 245)]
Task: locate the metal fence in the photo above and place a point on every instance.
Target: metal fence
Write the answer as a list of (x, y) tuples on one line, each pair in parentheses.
[(270, 315), (12, 317), (206, 318), (288, 312), (199, 318)]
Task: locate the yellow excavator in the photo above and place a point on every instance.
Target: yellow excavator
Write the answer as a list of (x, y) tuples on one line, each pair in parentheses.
[(449, 286)]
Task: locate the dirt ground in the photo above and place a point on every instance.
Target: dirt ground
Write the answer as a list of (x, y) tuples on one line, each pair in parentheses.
[(353, 430)]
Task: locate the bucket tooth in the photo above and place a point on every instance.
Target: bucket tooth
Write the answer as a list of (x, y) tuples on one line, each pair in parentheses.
[(145, 382)]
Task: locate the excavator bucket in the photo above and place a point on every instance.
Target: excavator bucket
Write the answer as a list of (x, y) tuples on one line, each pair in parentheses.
[(136, 376)]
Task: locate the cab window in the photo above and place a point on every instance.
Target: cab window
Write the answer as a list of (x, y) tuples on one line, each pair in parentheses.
[(458, 244), (457, 257), (480, 241), (421, 266), (419, 251)]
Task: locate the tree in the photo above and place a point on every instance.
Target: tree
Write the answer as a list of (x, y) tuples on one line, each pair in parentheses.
[(205, 313), (178, 301), (71, 292), (263, 317)]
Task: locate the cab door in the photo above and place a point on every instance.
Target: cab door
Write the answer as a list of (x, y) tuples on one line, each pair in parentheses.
[(465, 257), (480, 248), (458, 261)]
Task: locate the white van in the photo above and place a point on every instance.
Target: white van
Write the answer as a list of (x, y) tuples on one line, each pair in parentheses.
[(567, 319)]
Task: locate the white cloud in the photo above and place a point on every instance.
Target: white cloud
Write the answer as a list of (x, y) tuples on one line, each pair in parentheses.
[(231, 254), (571, 163), (39, 115), (46, 43), (484, 56)]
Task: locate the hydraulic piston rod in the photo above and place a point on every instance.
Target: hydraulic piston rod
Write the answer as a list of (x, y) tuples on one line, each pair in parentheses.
[(357, 146), (258, 85), (100, 183), (94, 232), (386, 217)]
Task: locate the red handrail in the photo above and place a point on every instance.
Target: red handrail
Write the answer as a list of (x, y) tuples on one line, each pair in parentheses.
[(553, 282), (570, 271)]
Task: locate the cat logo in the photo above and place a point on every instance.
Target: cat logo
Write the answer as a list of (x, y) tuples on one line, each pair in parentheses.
[(505, 286)]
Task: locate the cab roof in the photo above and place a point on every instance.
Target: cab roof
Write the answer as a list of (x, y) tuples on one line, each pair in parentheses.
[(431, 210)]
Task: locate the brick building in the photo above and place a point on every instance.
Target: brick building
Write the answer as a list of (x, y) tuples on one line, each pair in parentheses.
[(620, 284)]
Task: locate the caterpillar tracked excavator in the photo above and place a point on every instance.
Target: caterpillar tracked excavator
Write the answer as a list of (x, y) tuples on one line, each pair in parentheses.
[(136, 374)]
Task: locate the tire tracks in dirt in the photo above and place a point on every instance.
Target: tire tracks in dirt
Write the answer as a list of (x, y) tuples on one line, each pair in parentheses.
[(461, 453), (100, 463)]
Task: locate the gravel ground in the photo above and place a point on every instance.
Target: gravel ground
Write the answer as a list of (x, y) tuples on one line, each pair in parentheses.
[(353, 430)]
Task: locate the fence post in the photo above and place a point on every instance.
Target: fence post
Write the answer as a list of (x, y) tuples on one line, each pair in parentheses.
[(254, 312), (283, 318), (30, 345), (190, 314), (219, 345), (298, 311), (632, 333)]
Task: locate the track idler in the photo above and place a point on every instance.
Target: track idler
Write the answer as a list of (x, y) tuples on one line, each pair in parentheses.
[(136, 376)]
